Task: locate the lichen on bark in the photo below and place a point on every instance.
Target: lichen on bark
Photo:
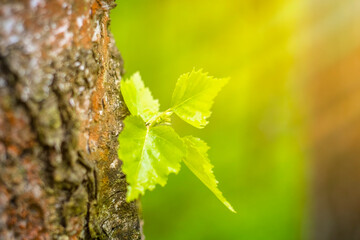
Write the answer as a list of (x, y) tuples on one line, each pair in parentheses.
[(60, 114)]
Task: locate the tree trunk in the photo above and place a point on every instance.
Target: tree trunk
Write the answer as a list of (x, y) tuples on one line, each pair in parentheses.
[(60, 114), (334, 94)]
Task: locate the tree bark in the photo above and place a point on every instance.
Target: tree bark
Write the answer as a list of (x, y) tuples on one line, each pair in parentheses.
[(60, 114)]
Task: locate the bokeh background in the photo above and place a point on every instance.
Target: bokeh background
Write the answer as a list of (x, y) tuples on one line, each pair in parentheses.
[(258, 131)]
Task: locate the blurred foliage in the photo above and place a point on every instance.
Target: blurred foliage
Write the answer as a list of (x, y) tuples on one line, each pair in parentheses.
[(255, 128)]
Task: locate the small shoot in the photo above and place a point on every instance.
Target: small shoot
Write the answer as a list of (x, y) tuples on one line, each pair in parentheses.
[(151, 149)]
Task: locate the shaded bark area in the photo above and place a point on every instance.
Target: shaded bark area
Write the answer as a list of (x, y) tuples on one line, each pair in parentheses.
[(60, 114)]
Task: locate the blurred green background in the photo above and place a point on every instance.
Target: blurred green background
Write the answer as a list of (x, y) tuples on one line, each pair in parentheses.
[(255, 129)]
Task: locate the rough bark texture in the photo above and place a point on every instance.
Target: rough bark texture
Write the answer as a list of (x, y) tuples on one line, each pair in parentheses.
[(60, 114)]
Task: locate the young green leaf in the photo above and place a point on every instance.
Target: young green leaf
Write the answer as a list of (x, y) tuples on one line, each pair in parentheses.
[(138, 98), (194, 95), (198, 162), (149, 155), (150, 149)]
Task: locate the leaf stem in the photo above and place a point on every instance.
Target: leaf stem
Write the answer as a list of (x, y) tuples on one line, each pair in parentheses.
[(159, 117)]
